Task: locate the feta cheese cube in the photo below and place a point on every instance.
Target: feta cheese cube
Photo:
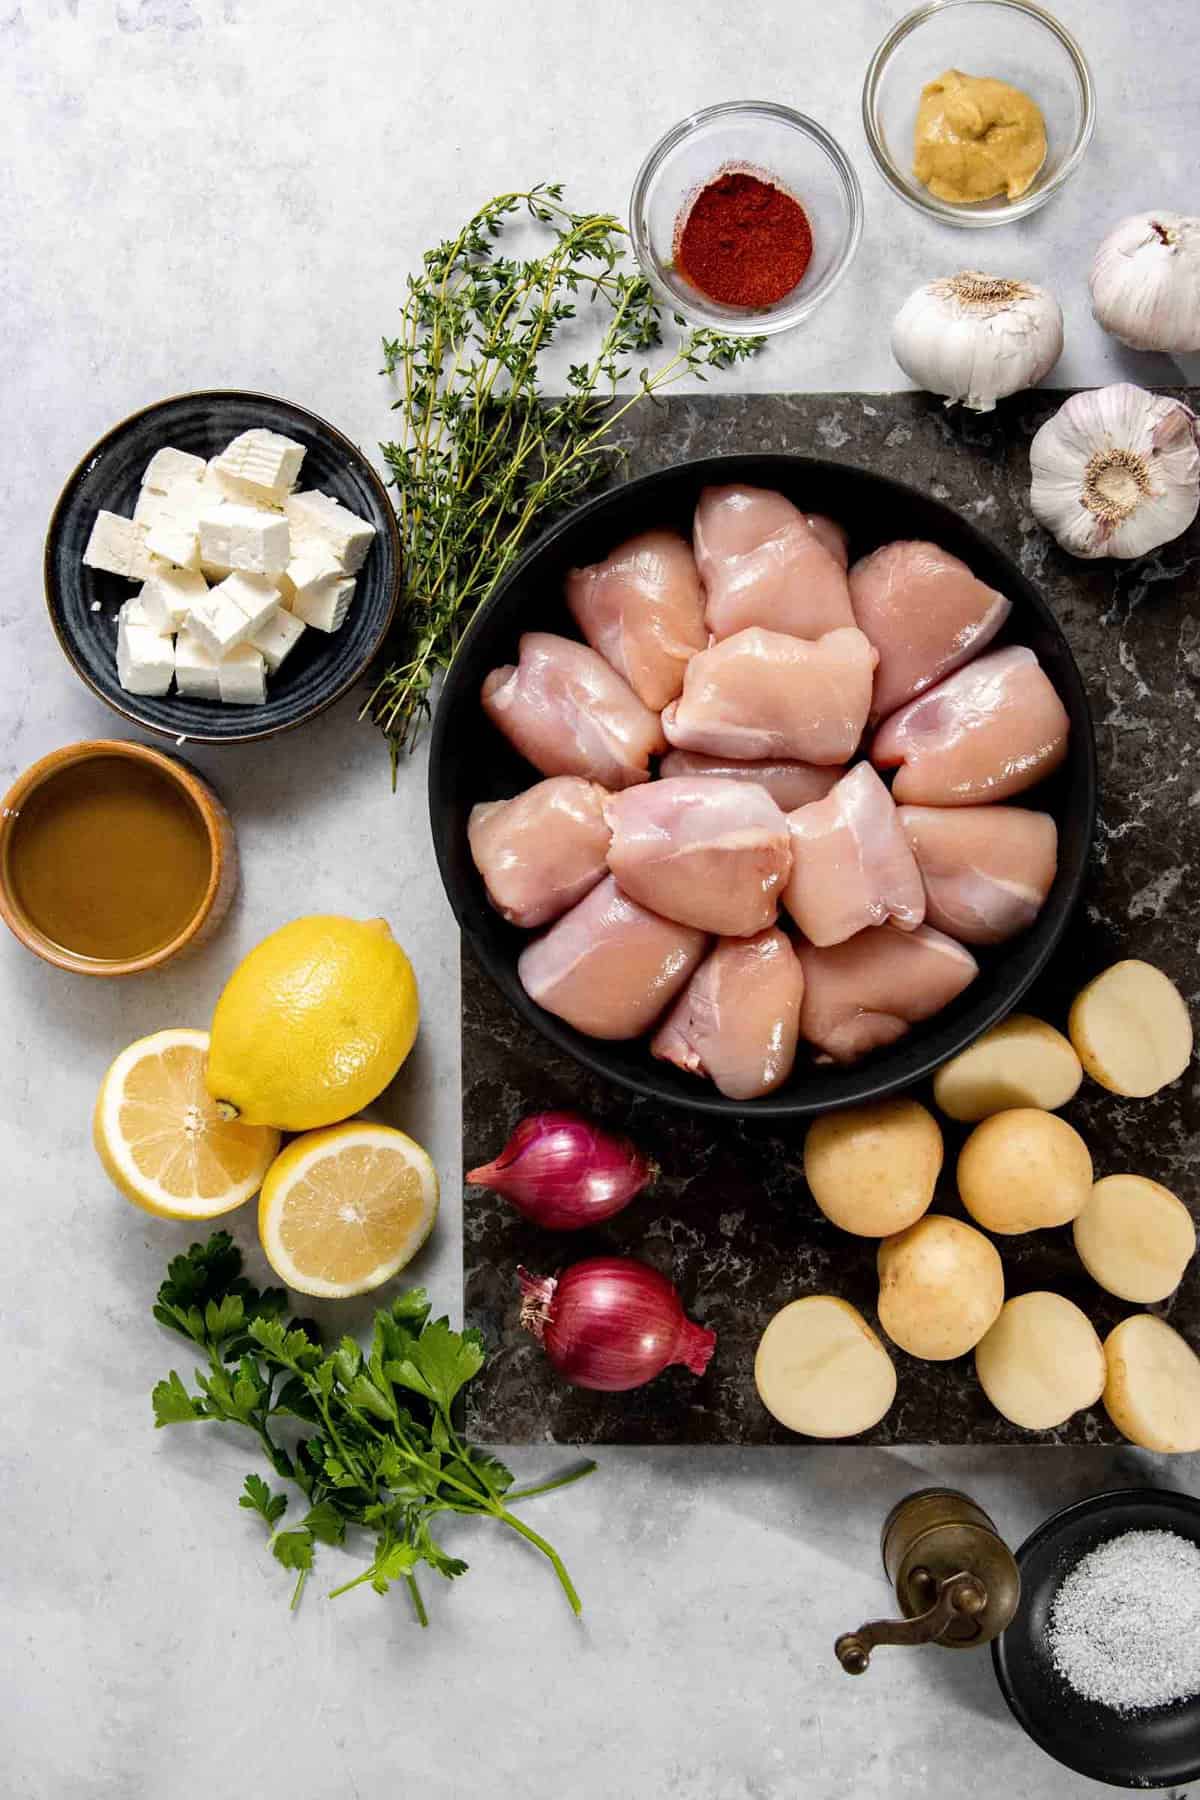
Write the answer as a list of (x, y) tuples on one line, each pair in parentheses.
[(327, 607), (134, 613), (196, 668), (242, 677), (313, 567), (320, 516), (245, 537), (145, 659), (277, 638), (151, 508), (117, 546), (169, 595), (261, 461), (167, 467), (175, 543), (229, 613)]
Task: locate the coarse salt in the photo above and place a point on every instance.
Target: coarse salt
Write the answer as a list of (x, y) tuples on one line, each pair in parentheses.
[(1125, 1623)]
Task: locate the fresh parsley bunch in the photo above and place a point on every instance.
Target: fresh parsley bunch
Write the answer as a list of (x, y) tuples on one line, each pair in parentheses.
[(382, 1452)]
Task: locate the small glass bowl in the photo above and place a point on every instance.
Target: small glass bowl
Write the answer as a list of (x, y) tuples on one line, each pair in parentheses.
[(763, 139), (1012, 40)]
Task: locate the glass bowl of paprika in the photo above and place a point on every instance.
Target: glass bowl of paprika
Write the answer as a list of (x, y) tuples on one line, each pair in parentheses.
[(746, 216)]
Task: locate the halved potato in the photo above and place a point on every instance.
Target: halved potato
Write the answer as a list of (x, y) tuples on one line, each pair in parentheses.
[(1153, 1389), (941, 1286), (872, 1168), (1024, 1170), (1132, 1029), (822, 1371), (1020, 1062), (1135, 1238), (1041, 1361)]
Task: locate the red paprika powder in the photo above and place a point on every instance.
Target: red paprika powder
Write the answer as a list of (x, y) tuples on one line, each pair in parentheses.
[(743, 241)]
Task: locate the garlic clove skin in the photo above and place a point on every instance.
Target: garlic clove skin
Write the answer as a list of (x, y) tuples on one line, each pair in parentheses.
[(975, 337), (1145, 282), (1116, 471)]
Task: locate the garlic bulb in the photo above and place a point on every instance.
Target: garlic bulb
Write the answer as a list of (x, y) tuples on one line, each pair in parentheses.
[(1116, 471), (1145, 282), (976, 337)]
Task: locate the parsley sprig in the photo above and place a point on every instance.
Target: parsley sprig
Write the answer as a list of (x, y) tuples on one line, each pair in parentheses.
[(484, 458), (382, 1451)]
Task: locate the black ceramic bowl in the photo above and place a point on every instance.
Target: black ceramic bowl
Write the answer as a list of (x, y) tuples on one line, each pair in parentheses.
[(83, 603), (1157, 1749), (470, 761)]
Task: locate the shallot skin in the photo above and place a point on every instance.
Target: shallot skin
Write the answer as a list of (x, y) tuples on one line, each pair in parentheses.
[(564, 1173), (612, 1324)]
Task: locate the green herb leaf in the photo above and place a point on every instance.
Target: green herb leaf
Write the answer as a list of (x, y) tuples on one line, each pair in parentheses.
[(173, 1405), (325, 1522), (440, 1362), (258, 1498), (294, 1549)]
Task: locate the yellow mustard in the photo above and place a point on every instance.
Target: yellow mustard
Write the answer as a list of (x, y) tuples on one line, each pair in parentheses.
[(977, 138)]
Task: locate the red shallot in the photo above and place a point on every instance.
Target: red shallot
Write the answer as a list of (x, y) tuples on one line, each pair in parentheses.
[(612, 1323), (565, 1173)]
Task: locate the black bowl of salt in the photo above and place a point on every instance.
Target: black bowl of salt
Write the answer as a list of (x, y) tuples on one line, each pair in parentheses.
[(1101, 1665)]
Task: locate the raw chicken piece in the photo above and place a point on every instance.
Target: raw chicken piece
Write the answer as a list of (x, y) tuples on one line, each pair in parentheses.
[(760, 695), (989, 731), (866, 992), (738, 1018), (542, 851), (568, 713), (851, 864), (707, 852), (790, 784), (987, 869), (609, 967), (925, 613), (642, 608), (763, 562)]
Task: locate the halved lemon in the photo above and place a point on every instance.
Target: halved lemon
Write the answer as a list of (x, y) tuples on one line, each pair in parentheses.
[(344, 1209), (161, 1139)]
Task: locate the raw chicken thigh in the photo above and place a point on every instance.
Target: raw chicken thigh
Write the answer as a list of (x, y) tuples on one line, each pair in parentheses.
[(763, 562), (642, 608), (987, 869), (569, 713), (925, 613), (707, 852), (989, 731), (738, 1018), (851, 863), (542, 851), (790, 784), (609, 967), (865, 993), (760, 695)]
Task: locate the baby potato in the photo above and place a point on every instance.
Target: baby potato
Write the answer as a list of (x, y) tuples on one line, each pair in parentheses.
[(941, 1286), (822, 1371), (1135, 1238), (872, 1169), (1153, 1389), (1132, 1029), (1023, 1170), (1020, 1062), (1041, 1361)]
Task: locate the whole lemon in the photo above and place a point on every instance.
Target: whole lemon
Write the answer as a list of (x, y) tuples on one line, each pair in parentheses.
[(312, 1024)]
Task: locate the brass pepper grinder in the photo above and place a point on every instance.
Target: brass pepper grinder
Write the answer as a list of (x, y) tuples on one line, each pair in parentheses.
[(956, 1580)]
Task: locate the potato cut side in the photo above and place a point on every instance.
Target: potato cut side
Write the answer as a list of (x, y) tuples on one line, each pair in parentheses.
[(821, 1370), (1020, 1062), (1153, 1389), (1041, 1361), (1135, 1238), (1023, 1171), (1132, 1029), (941, 1286), (872, 1169)]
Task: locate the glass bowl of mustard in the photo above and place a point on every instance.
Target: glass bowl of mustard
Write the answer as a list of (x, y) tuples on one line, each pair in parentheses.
[(978, 112), (745, 217)]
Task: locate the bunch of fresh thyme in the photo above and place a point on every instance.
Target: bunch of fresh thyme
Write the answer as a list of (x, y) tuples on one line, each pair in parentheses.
[(485, 458)]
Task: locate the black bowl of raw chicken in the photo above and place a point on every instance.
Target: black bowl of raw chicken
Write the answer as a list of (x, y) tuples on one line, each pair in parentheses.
[(833, 835)]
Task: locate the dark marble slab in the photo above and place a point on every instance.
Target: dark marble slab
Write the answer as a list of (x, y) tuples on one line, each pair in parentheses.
[(730, 1220)]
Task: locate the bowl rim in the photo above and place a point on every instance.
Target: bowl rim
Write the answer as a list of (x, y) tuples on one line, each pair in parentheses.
[(875, 1083), (251, 735), (770, 321), (986, 215)]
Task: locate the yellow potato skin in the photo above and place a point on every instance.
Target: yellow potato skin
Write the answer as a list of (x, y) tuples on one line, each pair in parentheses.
[(872, 1169), (1152, 1393), (1023, 1171), (1020, 1062), (941, 1287)]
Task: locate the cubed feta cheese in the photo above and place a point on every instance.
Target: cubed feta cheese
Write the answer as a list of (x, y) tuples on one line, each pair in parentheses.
[(196, 668), (245, 537), (117, 546), (320, 516), (325, 607), (175, 543), (313, 567), (168, 466), (230, 612), (277, 638), (134, 613), (261, 461), (151, 508), (242, 677), (169, 595), (145, 658)]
